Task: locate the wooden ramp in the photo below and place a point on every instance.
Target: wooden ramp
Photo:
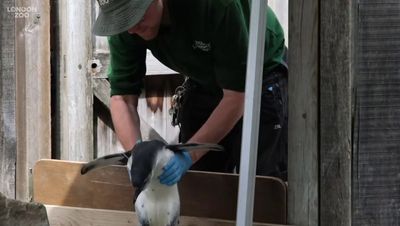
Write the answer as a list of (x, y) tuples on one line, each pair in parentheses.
[(209, 196)]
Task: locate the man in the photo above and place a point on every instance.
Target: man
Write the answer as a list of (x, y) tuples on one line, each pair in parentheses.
[(207, 41)]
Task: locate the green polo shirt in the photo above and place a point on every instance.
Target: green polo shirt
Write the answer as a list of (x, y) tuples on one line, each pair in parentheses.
[(206, 40)]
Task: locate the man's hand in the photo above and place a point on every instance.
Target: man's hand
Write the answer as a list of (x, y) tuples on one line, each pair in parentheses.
[(175, 168)]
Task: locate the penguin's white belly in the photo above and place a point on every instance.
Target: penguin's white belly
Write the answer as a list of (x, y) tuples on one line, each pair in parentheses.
[(158, 205)]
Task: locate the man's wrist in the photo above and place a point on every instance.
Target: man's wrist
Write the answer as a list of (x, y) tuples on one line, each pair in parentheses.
[(196, 155), (188, 158)]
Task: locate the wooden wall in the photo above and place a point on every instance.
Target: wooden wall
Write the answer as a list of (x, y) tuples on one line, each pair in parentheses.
[(74, 84), (376, 162), (8, 141), (340, 70), (336, 110), (303, 199), (33, 119), (321, 104), (25, 131)]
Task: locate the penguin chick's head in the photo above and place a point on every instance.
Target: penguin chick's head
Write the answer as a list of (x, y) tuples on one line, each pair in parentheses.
[(146, 162)]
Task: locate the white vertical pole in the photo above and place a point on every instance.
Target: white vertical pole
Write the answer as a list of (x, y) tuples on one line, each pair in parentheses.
[(251, 118)]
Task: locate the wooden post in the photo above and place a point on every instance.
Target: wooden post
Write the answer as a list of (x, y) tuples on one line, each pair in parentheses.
[(303, 112), (8, 142), (74, 82), (336, 74), (320, 115), (33, 120)]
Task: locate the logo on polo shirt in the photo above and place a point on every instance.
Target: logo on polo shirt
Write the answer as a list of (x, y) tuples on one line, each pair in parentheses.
[(206, 47), (103, 2)]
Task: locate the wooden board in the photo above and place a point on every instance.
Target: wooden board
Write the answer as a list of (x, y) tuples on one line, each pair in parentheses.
[(336, 103), (74, 94), (105, 139), (208, 195), (8, 145), (61, 215), (376, 179), (33, 121), (303, 112)]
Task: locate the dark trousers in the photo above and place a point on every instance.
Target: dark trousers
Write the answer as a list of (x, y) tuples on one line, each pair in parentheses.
[(197, 106)]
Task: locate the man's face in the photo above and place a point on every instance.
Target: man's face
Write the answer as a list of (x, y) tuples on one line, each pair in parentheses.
[(148, 27)]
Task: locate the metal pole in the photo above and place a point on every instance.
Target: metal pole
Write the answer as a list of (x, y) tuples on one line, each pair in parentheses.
[(255, 60)]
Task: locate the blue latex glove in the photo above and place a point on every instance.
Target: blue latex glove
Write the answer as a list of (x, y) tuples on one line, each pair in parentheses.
[(176, 168)]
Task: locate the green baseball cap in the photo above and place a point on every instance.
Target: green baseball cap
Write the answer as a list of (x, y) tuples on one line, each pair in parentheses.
[(117, 16)]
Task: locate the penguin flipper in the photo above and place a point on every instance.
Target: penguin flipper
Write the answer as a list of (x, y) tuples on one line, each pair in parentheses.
[(108, 160), (194, 146)]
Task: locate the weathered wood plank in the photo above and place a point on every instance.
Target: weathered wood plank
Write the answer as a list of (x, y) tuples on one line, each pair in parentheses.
[(303, 113), (336, 75), (8, 146), (33, 91), (102, 90), (74, 82), (61, 215), (210, 195), (105, 139), (376, 156)]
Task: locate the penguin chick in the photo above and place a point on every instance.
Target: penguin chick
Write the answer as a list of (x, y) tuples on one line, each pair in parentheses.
[(155, 204)]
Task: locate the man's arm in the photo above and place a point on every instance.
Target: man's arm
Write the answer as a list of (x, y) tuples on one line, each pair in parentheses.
[(219, 124), (221, 121), (126, 119)]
